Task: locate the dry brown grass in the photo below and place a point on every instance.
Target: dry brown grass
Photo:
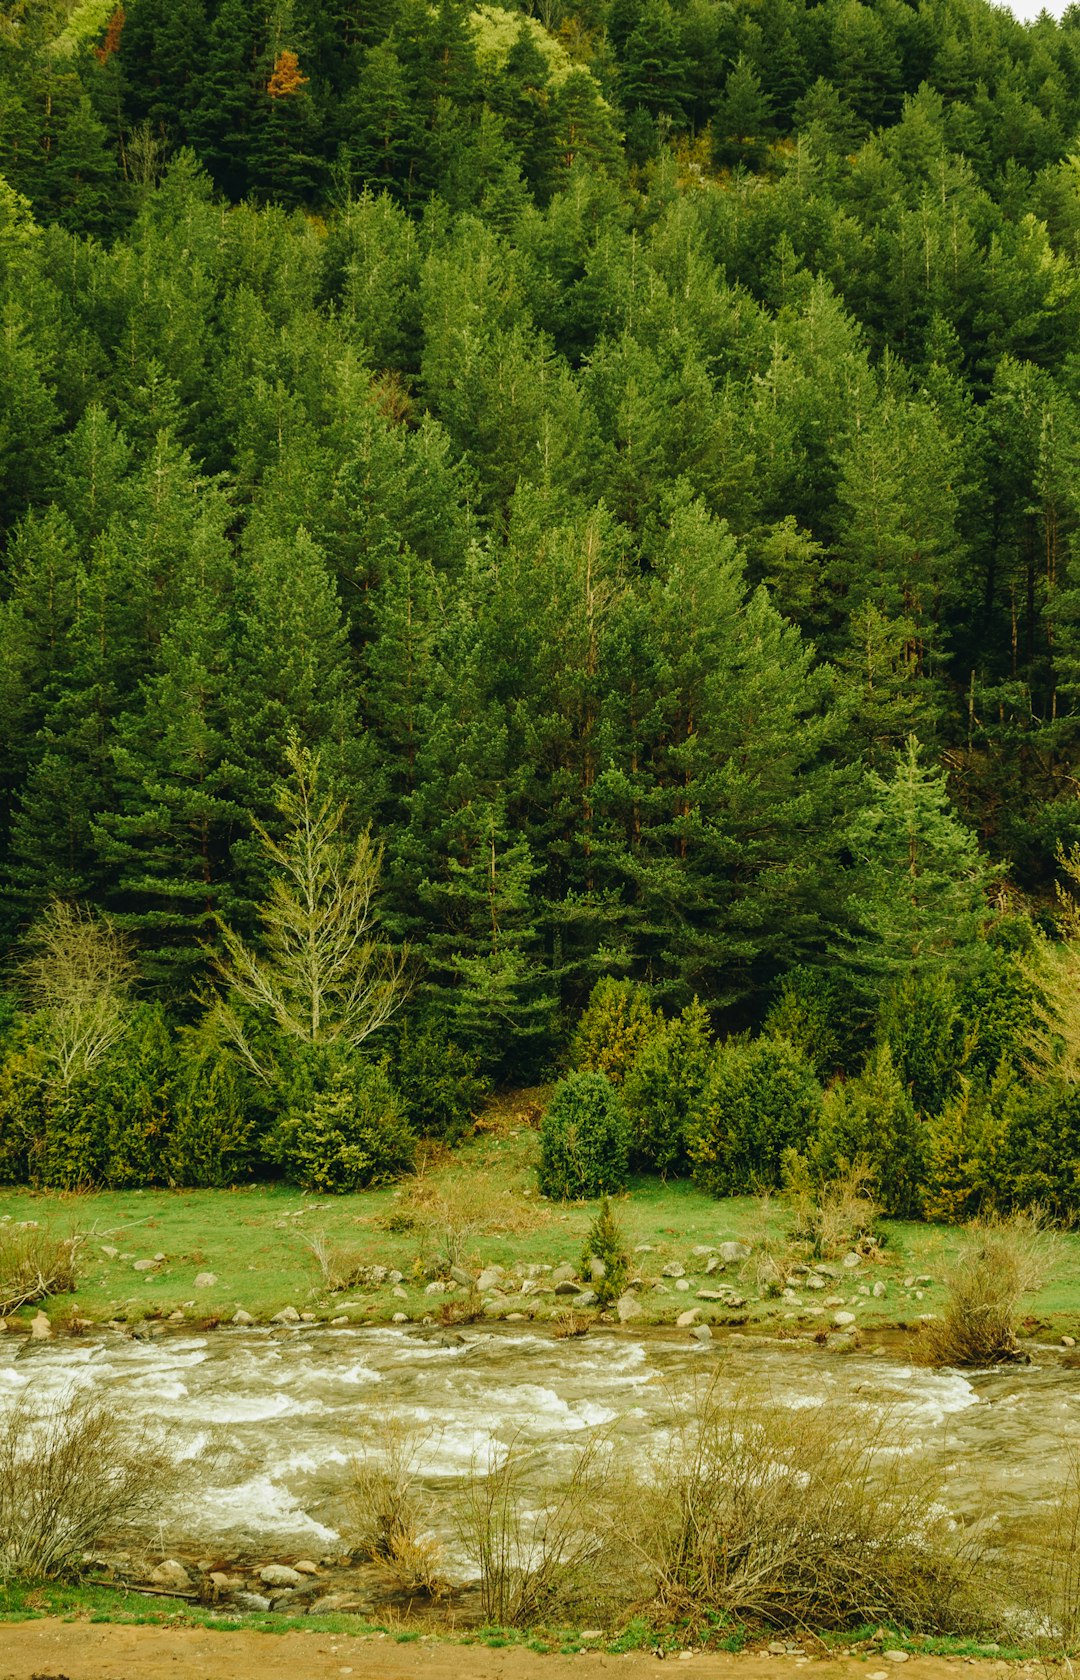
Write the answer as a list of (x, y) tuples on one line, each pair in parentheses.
[(342, 1266), (35, 1264), (387, 1509), (451, 1209), (1000, 1262), (833, 1217), (543, 1549), (71, 1478), (810, 1518), (1052, 1547)]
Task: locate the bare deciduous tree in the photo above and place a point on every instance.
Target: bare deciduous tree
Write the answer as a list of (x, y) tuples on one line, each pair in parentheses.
[(321, 975), (78, 973)]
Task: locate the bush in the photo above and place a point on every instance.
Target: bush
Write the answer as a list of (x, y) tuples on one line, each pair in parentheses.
[(813, 1014), (24, 1110), (441, 1084), (923, 1024), (211, 1143), (619, 1021), (386, 1507), (999, 1006), (35, 1264), (763, 1099), (664, 1090), (831, 1216), (1036, 1156), (962, 1149), (584, 1139), (606, 1242), (70, 1478), (999, 1264), (809, 1518), (133, 1096), (345, 1130), (872, 1120)]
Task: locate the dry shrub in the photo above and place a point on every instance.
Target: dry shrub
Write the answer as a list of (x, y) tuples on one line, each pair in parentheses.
[(774, 1257), (1000, 1262), (832, 1217), (342, 1267), (385, 1506), (35, 1264), (1052, 1588), (454, 1209), (71, 1478), (808, 1518), (469, 1310), (544, 1549), (568, 1324)]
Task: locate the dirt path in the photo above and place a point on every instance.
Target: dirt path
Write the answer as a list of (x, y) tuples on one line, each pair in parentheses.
[(55, 1650)]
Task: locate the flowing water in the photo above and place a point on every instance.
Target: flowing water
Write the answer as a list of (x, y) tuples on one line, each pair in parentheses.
[(270, 1419)]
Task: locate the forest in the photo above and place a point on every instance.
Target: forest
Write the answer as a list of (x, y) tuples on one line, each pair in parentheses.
[(589, 493)]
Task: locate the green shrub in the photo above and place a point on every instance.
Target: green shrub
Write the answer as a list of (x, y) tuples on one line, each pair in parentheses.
[(762, 1099), (999, 1007), (1037, 1159), (345, 1129), (923, 1023), (872, 1120), (619, 1021), (814, 1015), (584, 1139), (664, 1090), (963, 1143), (70, 1155), (24, 1110), (211, 1143), (606, 1242), (440, 1083), (133, 1096)]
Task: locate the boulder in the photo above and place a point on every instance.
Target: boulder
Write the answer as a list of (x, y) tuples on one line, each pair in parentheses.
[(674, 1269), (395, 1277), (287, 1315), (627, 1308), (337, 1323), (1068, 1341), (895, 1656), (309, 1318), (279, 1575), (732, 1252), (713, 1264), (701, 1251), (241, 1318), (714, 1294), (171, 1575), (438, 1287), (206, 1280), (225, 1583)]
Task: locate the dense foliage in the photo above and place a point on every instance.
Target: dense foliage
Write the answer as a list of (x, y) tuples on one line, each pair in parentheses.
[(635, 450)]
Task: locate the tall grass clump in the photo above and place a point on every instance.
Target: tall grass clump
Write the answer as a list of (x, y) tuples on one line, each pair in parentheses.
[(543, 1548), (386, 1511), (1000, 1262), (70, 1478), (808, 1518), (35, 1264)]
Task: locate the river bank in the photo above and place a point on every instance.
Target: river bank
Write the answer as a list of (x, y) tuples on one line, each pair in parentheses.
[(199, 1258)]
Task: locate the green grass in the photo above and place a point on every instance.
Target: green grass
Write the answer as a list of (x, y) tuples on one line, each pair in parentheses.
[(253, 1240)]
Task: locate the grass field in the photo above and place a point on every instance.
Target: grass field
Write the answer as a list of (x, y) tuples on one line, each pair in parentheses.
[(481, 1205)]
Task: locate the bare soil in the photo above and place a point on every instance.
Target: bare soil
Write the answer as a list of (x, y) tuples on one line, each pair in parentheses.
[(58, 1650)]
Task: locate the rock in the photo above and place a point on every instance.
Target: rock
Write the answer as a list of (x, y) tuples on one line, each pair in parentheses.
[(109, 1251), (399, 1293), (490, 1278), (843, 1319), (713, 1294), (587, 1298), (462, 1277), (852, 1260), (701, 1251), (713, 1264), (206, 1280), (674, 1269), (250, 1601), (627, 1308), (597, 1270), (895, 1656), (909, 1283), (287, 1315), (701, 1333), (682, 1285), (395, 1277), (685, 1319), (791, 1298), (815, 1282), (834, 1301), (177, 1317), (339, 1603), (879, 1291), (730, 1252), (336, 1323), (437, 1288), (40, 1328), (279, 1575), (223, 1582), (1068, 1341), (170, 1574), (863, 1289), (562, 1274), (567, 1286), (144, 1265), (159, 1257), (304, 1566), (734, 1301), (644, 1248), (923, 1282), (241, 1317), (309, 1318), (400, 1318), (517, 1318)]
